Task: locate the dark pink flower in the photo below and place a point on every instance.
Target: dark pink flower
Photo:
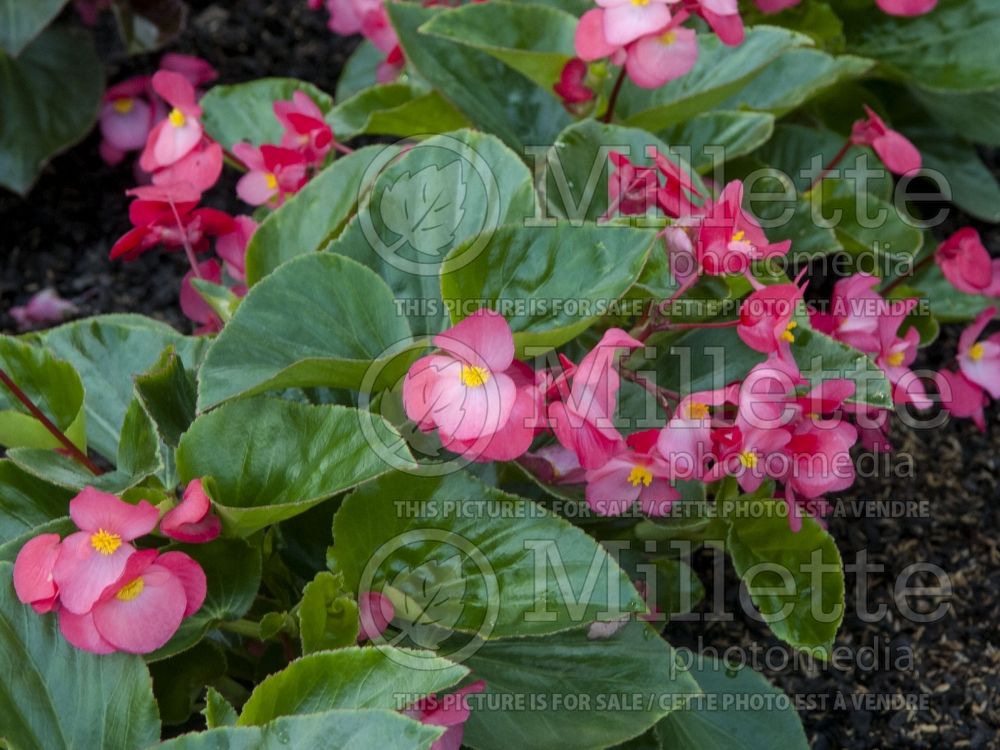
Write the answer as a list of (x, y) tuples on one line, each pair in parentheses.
[(776, 6), (232, 247), (766, 323), (192, 519), (95, 557), (375, 612), (175, 136), (963, 398), (451, 711), (627, 20), (746, 453), (631, 189), (201, 168), (729, 239), (906, 7), (723, 16), (44, 308), (155, 214), (675, 197), (570, 87), (195, 69), (305, 129), (34, 582), (634, 473), (193, 305), (685, 443), (980, 360), (274, 173), (965, 262), (899, 155), (127, 116), (855, 308)]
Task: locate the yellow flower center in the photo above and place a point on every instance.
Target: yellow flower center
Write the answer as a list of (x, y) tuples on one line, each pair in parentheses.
[(105, 542), (748, 459), (640, 2), (697, 410), (177, 118), (976, 352), (640, 474), (131, 590), (474, 377), (739, 236), (668, 38), (272, 180), (123, 106), (895, 359), (787, 335)]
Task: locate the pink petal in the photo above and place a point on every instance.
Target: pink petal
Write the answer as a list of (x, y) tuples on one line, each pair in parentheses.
[(82, 573), (906, 7), (658, 58), (469, 413), (900, 156), (658, 497), (484, 338), (81, 632), (255, 188), (145, 623), (590, 41), (627, 22), (177, 91), (33, 567), (201, 168), (375, 612), (191, 520), (92, 510), (174, 143), (196, 70), (191, 576), (510, 441), (971, 333), (609, 493), (126, 131)]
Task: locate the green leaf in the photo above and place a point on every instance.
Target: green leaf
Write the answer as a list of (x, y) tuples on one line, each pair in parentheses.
[(147, 25), (947, 304), (534, 40), (168, 392), (346, 678), (244, 111), (820, 358), (975, 117), (719, 721), (311, 217), (720, 72), (180, 680), (738, 133), (27, 502), (271, 459), (974, 189), (359, 70), (952, 48), (386, 730), (628, 681), (52, 385), (109, 351), (218, 712), (55, 696), (456, 554), (319, 320), (497, 99), (49, 96), (442, 191), (232, 570), (589, 266), (795, 579), (23, 21), (10, 547), (328, 618), (395, 109)]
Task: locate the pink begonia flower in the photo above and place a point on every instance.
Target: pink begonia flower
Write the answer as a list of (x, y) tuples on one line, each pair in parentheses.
[(465, 392), (675, 197), (451, 711), (896, 353), (748, 454), (93, 558), (963, 398), (980, 360), (232, 247), (142, 609), (201, 168), (776, 6), (627, 20), (965, 262), (192, 519), (685, 443), (127, 116), (44, 308), (89, 10), (899, 155), (767, 396), (570, 86), (723, 16), (729, 239), (375, 612), (376, 27), (766, 318), (820, 460), (195, 69), (389, 69), (305, 129), (174, 137), (33, 579), (993, 290), (274, 173), (855, 307), (582, 420), (906, 7), (589, 40), (193, 305), (632, 190), (662, 56), (634, 473)]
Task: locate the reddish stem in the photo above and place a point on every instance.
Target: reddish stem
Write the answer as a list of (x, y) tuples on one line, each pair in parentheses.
[(663, 395), (346, 150), (900, 279), (47, 423), (188, 250), (610, 112), (833, 163)]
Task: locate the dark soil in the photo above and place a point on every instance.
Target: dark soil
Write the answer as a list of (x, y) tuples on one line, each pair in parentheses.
[(60, 236)]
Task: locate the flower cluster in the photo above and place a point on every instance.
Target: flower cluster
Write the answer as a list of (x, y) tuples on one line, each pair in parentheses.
[(368, 18), (109, 595)]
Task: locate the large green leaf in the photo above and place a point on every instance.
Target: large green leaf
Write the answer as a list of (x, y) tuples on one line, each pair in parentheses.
[(555, 281), (718, 137), (796, 579), (494, 97), (244, 111), (307, 220), (232, 570), (627, 682), (52, 385), (820, 358), (167, 392), (720, 72), (382, 729), (27, 502), (319, 320), (49, 97), (444, 190), (973, 187), (109, 351), (535, 40), (461, 555), (952, 48), (975, 117), (722, 720), (346, 678), (271, 459), (54, 696), (23, 21), (947, 304), (395, 109), (359, 70)]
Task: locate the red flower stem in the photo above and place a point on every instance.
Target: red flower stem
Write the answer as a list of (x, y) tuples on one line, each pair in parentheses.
[(188, 250), (47, 423), (900, 279), (833, 163), (346, 150), (663, 395), (610, 112)]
